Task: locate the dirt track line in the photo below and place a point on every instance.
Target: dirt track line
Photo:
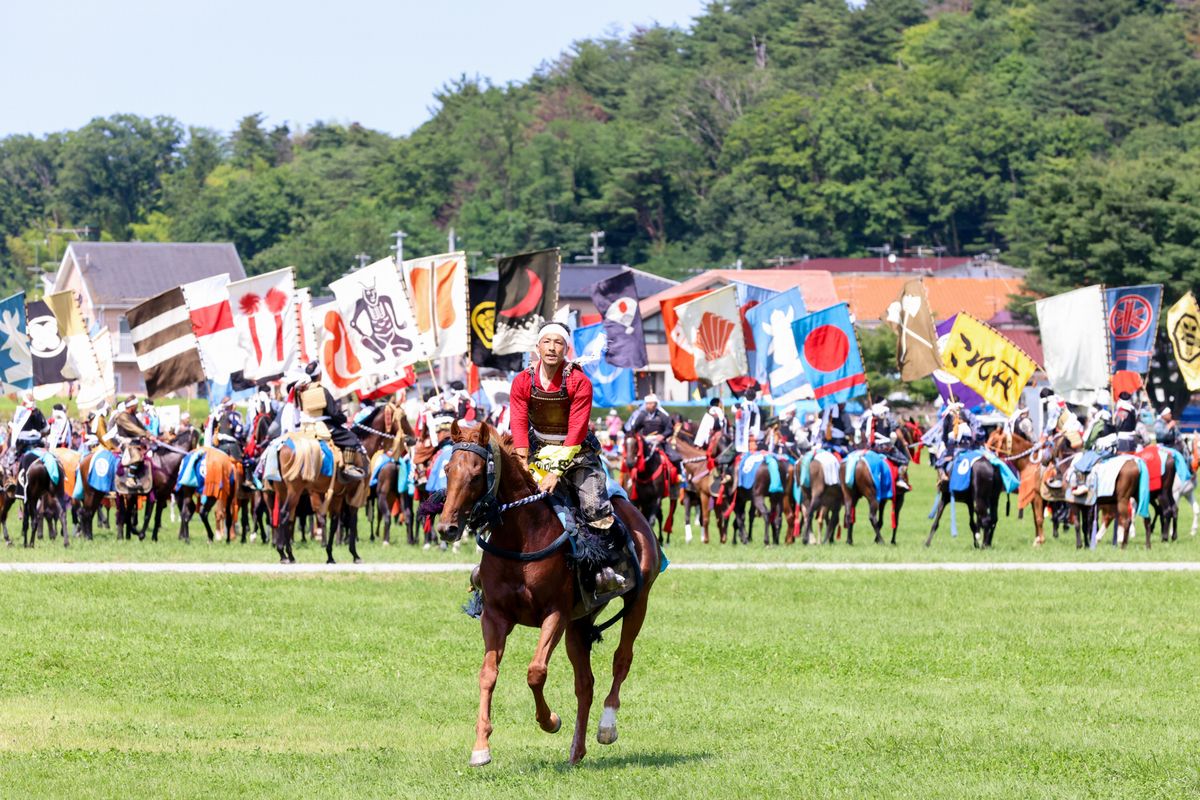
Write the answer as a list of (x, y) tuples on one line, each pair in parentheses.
[(95, 568)]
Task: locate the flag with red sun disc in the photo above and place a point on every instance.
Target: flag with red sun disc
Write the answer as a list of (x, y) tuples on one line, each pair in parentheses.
[(829, 351)]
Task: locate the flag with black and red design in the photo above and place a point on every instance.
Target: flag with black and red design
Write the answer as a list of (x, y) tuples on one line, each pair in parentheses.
[(526, 296), (482, 300)]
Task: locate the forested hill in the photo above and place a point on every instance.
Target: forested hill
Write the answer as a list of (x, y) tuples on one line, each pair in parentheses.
[(1060, 132)]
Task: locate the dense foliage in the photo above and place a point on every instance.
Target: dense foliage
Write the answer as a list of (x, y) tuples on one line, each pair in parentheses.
[(1061, 132)]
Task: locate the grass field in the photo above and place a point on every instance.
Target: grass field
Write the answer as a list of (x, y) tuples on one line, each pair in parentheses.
[(744, 684), (1012, 543)]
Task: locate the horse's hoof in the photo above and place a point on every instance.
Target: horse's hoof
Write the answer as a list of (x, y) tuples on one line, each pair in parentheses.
[(607, 732), (555, 724), (330, 561), (357, 560), (481, 758)]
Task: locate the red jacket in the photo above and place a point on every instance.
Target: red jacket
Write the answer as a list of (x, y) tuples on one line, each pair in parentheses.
[(579, 389)]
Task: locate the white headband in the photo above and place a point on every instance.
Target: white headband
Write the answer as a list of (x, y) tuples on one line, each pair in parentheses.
[(556, 329)]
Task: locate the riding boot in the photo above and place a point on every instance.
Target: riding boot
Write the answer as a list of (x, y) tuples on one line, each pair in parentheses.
[(902, 479), (607, 578)]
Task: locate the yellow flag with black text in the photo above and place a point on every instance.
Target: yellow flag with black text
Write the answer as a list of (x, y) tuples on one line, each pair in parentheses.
[(983, 359), (1183, 326)]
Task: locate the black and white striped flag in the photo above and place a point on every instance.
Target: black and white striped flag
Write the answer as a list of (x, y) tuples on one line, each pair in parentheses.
[(167, 352)]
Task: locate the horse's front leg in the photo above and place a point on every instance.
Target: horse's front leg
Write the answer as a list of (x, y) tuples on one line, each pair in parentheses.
[(580, 653), (539, 667), (495, 633), (944, 498), (876, 518)]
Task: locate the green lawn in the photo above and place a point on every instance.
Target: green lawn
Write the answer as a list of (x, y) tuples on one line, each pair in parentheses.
[(744, 684), (1012, 543)]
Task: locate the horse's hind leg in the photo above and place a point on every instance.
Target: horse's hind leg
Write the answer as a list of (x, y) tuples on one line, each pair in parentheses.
[(350, 522), (631, 626), (943, 499)]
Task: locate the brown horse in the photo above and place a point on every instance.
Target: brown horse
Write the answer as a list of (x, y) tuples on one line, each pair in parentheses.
[(704, 482), (1022, 454), (165, 459), (756, 499), (526, 579), (223, 478), (819, 498), (860, 485), (332, 499), (43, 500), (648, 474)]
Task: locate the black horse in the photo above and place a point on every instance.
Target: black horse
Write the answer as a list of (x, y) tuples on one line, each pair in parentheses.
[(43, 500), (982, 497)]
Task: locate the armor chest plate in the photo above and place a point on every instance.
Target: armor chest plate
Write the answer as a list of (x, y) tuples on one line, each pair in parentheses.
[(312, 400), (550, 412)]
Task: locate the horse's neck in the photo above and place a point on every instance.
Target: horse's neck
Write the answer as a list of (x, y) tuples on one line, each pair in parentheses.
[(533, 524)]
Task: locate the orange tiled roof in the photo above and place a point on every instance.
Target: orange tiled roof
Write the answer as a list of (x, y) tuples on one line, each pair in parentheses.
[(982, 298)]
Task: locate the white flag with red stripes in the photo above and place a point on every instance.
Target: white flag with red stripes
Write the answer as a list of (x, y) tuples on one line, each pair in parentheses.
[(264, 313)]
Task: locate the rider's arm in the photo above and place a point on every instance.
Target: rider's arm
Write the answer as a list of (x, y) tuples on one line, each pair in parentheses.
[(579, 388), (518, 413)]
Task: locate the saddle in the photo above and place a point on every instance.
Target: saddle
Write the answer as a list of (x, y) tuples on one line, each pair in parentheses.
[(589, 553), (136, 472)]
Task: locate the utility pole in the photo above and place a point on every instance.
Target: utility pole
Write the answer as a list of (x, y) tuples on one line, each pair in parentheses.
[(363, 258), (451, 241), (597, 248), (399, 246)]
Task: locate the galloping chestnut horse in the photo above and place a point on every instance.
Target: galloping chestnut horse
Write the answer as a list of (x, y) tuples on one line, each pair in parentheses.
[(649, 482), (704, 481), (538, 590)]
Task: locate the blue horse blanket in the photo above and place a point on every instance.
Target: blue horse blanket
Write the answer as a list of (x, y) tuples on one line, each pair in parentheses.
[(748, 468), (436, 482), (379, 466), (960, 472), (49, 461), (191, 471), (881, 472), (102, 472)]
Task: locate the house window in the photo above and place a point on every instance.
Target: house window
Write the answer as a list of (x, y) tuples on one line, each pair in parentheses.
[(653, 328)]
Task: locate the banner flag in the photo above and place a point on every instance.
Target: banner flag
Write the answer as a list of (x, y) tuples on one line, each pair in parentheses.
[(1074, 328), (749, 296), (776, 360), (829, 351), (611, 385), (306, 328), (168, 355), (341, 371), (16, 362), (712, 323), (264, 315), (949, 387), (983, 359), (526, 296), (682, 351), (1183, 327), (378, 320), (212, 323), (483, 328), (616, 299), (438, 288), (1132, 325), (916, 337), (83, 363), (47, 348)]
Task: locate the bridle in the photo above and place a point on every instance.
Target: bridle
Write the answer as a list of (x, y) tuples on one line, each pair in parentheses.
[(485, 513)]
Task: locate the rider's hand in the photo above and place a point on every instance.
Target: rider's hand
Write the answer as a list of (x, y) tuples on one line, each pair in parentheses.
[(523, 455), (548, 483)]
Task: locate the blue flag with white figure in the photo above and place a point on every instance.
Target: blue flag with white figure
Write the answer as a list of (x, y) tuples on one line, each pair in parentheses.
[(616, 299), (16, 360), (1132, 325), (611, 386), (776, 359)]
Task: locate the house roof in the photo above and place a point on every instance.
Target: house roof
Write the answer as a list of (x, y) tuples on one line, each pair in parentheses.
[(816, 286), (124, 273), (982, 298), (879, 265), (575, 281)]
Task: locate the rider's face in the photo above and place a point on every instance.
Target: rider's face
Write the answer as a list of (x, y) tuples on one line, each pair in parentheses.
[(551, 350)]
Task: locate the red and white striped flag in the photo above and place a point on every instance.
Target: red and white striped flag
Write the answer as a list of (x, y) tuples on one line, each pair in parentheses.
[(264, 313), (167, 353), (212, 322)]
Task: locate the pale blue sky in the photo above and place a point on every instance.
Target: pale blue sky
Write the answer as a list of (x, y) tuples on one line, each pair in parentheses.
[(213, 61)]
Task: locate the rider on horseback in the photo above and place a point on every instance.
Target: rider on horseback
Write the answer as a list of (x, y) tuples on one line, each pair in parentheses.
[(878, 431), (319, 410), (835, 429), (550, 406), (959, 429), (28, 428)]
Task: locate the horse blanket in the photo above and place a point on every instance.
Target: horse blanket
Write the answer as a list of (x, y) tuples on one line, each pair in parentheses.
[(748, 468), (830, 466), (50, 463), (326, 469), (960, 470), (70, 464), (102, 472), (378, 462), (1154, 465), (436, 482), (880, 468)]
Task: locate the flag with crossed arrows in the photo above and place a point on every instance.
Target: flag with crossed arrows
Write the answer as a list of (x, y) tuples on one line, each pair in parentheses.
[(909, 316)]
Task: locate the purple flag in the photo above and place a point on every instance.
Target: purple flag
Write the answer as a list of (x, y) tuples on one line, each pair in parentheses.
[(616, 299), (947, 384)]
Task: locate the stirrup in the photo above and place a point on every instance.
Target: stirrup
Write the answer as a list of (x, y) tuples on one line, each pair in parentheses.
[(608, 581)]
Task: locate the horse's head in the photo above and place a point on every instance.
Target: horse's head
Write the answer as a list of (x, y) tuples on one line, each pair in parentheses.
[(472, 478), (635, 451)]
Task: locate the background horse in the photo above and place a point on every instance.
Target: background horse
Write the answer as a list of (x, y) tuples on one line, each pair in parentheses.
[(330, 497), (541, 592), (165, 459), (860, 485), (704, 482), (43, 500), (819, 498), (648, 481), (1095, 518), (762, 502), (222, 482), (1021, 454), (982, 497)]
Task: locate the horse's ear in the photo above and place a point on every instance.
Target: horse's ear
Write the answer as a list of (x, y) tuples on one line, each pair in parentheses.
[(405, 425), (485, 432), (455, 432)]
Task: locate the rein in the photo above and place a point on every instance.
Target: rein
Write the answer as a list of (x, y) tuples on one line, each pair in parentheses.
[(369, 429)]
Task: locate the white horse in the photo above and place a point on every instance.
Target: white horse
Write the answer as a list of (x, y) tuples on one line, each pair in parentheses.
[(1187, 489)]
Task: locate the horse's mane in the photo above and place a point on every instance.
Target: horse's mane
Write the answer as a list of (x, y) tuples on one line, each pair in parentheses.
[(511, 464)]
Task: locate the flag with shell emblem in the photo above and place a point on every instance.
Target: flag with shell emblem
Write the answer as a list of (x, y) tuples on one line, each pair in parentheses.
[(714, 327)]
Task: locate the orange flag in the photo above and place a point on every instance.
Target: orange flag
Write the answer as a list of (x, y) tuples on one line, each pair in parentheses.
[(683, 358)]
